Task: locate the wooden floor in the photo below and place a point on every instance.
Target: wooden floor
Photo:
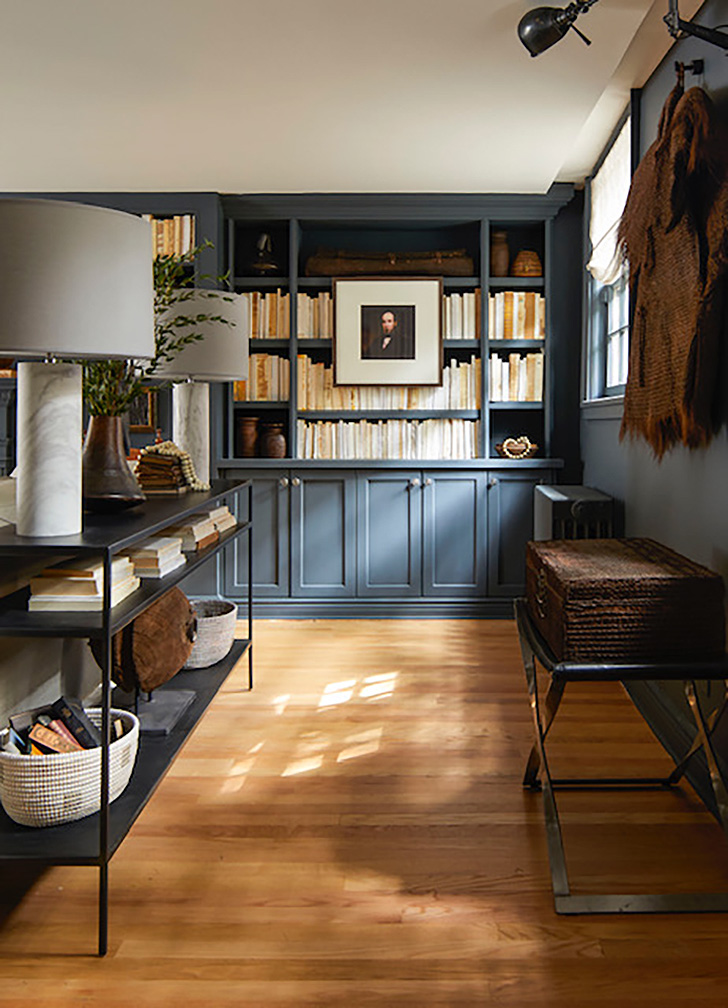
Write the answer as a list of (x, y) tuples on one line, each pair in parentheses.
[(354, 833)]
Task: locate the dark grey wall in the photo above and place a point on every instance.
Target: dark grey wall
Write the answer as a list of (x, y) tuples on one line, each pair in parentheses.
[(682, 500)]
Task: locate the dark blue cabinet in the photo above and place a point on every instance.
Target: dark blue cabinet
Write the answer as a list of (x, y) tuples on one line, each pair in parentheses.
[(323, 534), (454, 534), (390, 534), (422, 533), (510, 526), (271, 550)]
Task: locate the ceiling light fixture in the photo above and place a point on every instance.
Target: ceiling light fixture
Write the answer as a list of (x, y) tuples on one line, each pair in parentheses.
[(542, 27)]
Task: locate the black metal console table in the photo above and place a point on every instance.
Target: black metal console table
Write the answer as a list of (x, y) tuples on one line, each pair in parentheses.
[(538, 776), (93, 840)]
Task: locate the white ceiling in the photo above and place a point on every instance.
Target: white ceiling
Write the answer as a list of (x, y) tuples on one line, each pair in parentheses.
[(311, 96)]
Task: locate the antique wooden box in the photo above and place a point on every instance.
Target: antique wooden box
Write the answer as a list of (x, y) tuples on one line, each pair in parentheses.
[(622, 600)]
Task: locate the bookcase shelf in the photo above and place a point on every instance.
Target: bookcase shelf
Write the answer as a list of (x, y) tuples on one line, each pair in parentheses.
[(383, 414)]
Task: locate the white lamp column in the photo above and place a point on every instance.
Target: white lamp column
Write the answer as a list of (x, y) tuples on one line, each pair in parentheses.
[(191, 424)]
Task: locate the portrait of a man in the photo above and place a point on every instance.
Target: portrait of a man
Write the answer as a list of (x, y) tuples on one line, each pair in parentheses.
[(388, 332)]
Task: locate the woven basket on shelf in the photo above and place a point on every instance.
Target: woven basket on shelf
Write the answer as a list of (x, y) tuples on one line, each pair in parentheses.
[(60, 787), (215, 632)]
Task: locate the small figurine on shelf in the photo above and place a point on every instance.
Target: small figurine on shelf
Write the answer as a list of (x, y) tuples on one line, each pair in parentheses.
[(264, 263)]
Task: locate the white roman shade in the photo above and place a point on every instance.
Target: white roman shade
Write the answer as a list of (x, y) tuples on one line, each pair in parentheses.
[(609, 189)]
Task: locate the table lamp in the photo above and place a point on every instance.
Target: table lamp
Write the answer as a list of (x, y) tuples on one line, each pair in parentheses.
[(75, 281), (222, 355)]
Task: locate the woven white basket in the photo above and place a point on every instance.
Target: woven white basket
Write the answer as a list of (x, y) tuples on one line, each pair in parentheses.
[(60, 787), (215, 632)]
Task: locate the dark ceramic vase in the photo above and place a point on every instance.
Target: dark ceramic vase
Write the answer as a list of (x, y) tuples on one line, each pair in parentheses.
[(499, 254), (248, 429), (272, 441), (109, 485)]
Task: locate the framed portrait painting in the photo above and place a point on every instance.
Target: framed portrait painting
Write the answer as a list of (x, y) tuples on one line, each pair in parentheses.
[(388, 332)]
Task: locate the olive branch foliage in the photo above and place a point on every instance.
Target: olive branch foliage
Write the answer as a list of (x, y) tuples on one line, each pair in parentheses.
[(110, 386)]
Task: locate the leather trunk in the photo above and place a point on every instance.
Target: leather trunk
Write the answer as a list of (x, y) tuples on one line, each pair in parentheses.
[(623, 600)]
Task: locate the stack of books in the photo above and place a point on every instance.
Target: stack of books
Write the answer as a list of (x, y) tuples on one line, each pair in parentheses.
[(196, 533), (160, 474), (221, 518), (78, 586), (60, 727), (157, 557)]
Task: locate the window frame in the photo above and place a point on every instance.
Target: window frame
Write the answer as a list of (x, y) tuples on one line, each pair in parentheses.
[(598, 298)]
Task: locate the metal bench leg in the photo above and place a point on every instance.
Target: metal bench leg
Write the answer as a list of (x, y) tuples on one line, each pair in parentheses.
[(551, 705), (704, 738), (713, 720)]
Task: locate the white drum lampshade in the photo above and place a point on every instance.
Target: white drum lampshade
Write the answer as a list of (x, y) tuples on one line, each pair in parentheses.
[(75, 281), (221, 355)]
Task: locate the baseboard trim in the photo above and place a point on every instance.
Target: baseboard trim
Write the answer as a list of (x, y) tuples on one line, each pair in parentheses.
[(381, 609)]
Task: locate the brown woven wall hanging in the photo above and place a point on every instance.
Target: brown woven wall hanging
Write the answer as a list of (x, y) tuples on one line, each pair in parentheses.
[(673, 231)]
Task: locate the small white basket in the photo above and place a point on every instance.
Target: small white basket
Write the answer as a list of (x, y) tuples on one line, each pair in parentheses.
[(215, 632), (60, 787)]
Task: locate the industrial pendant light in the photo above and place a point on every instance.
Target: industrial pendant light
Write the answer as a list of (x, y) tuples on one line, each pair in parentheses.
[(543, 27)]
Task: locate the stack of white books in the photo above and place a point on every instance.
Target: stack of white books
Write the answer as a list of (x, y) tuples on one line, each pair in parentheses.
[(196, 533), (222, 518), (157, 557), (78, 586)]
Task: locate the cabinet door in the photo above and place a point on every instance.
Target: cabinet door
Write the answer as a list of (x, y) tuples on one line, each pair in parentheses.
[(323, 534), (389, 534), (510, 526), (270, 540), (454, 539)]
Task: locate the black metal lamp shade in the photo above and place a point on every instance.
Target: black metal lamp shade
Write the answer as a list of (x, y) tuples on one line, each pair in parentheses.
[(542, 27)]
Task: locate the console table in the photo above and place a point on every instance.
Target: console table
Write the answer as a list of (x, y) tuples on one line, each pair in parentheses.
[(94, 839), (538, 775)]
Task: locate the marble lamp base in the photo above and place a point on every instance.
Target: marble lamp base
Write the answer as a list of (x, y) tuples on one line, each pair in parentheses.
[(49, 426), (191, 424)]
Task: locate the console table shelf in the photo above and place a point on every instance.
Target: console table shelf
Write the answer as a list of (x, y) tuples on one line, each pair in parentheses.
[(94, 839)]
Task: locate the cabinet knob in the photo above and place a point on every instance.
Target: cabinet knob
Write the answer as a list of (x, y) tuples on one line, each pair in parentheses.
[(295, 481), (428, 482), (414, 482), (283, 481), (493, 481)]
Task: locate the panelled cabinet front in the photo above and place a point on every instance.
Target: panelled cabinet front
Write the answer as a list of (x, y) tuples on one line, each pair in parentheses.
[(454, 534), (389, 561), (323, 534), (510, 526), (271, 542)]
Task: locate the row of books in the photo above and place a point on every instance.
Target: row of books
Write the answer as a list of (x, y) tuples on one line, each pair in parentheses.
[(516, 315), (269, 379), (78, 585), (460, 389), (511, 315), (172, 235), (270, 314), (60, 727), (516, 378), (315, 316), (388, 439), (461, 315)]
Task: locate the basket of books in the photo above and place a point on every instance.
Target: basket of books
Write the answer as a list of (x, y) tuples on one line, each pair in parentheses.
[(215, 632), (50, 788)]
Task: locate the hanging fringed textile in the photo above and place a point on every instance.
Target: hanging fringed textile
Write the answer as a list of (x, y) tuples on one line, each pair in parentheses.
[(673, 232)]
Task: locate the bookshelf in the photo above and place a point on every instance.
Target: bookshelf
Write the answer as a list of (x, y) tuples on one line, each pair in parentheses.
[(497, 331), (394, 500)]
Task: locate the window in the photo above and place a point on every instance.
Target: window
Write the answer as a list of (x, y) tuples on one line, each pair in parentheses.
[(608, 289)]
